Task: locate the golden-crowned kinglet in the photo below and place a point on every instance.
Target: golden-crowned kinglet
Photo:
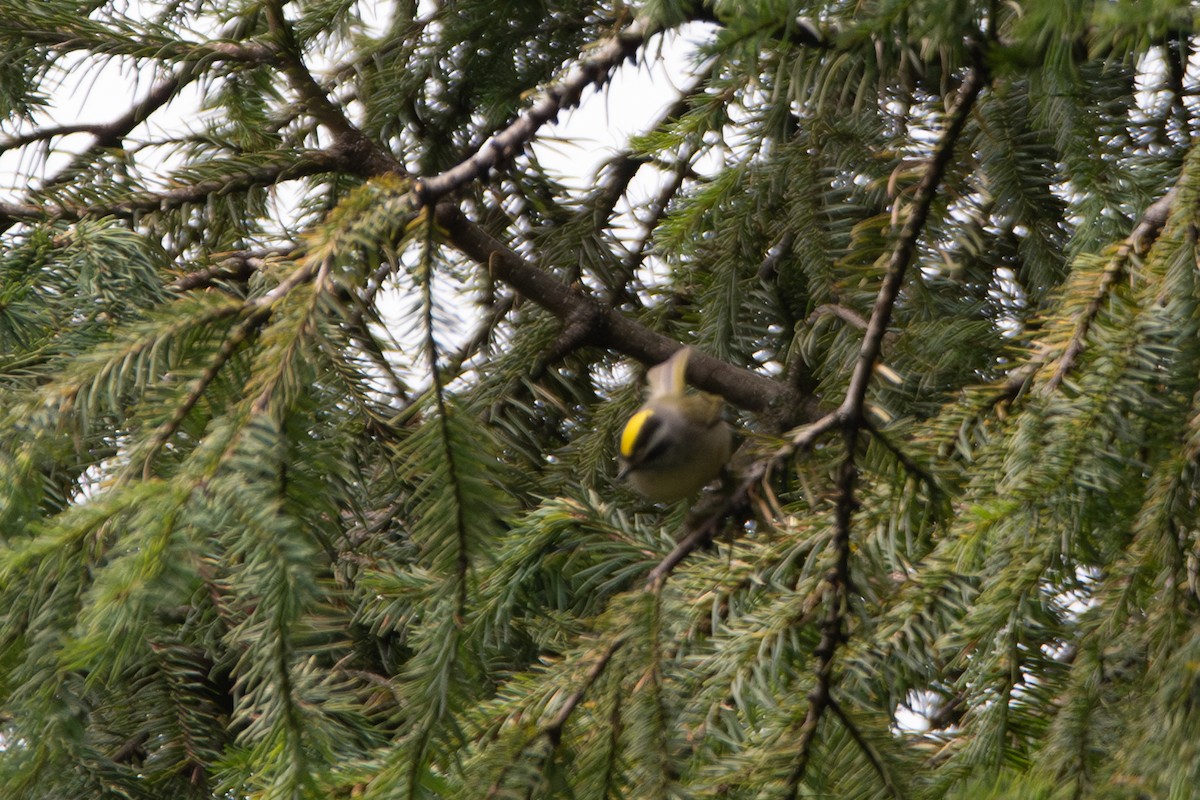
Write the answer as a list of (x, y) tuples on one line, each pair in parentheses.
[(676, 442)]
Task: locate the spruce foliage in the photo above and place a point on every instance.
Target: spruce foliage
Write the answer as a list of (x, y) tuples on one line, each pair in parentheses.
[(308, 402)]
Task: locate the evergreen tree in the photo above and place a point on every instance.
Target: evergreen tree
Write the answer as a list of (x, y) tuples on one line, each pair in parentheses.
[(309, 403)]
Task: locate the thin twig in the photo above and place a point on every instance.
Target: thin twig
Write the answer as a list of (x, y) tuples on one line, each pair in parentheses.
[(906, 245), (658, 208), (832, 633), (904, 458), (553, 729), (852, 420), (866, 747), (847, 315)]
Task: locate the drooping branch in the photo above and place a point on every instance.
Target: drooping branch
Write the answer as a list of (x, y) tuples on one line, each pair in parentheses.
[(311, 163), (850, 417), (850, 412)]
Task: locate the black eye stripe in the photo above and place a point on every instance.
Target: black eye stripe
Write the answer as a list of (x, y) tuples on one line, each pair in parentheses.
[(646, 436), (659, 448)]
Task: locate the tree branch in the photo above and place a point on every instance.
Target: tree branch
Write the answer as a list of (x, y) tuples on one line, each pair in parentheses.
[(906, 246), (553, 729), (904, 458), (65, 40), (850, 417), (866, 747), (359, 153), (228, 347), (1137, 243), (741, 387), (658, 209), (310, 163), (114, 133), (236, 267), (592, 70)]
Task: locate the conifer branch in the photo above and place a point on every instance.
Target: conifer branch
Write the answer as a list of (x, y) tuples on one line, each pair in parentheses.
[(625, 166), (310, 163), (17, 140), (742, 387), (66, 40), (236, 267), (592, 70), (112, 134), (258, 311), (867, 749), (850, 417), (906, 246), (837, 580), (200, 385), (904, 458), (1137, 243), (462, 559), (483, 333), (553, 729), (356, 151)]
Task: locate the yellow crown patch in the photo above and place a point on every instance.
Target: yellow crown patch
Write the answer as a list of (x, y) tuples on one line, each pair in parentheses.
[(633, 429)]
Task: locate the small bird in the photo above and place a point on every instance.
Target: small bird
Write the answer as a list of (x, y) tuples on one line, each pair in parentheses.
[(676, 442)]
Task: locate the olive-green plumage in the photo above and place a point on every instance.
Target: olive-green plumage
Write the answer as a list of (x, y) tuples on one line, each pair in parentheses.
[(676, 442)]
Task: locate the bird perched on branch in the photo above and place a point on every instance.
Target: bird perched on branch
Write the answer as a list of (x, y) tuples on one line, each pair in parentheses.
[(676, 442)]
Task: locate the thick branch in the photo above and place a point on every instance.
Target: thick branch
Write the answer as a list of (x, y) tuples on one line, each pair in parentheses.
[(609, 328)]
